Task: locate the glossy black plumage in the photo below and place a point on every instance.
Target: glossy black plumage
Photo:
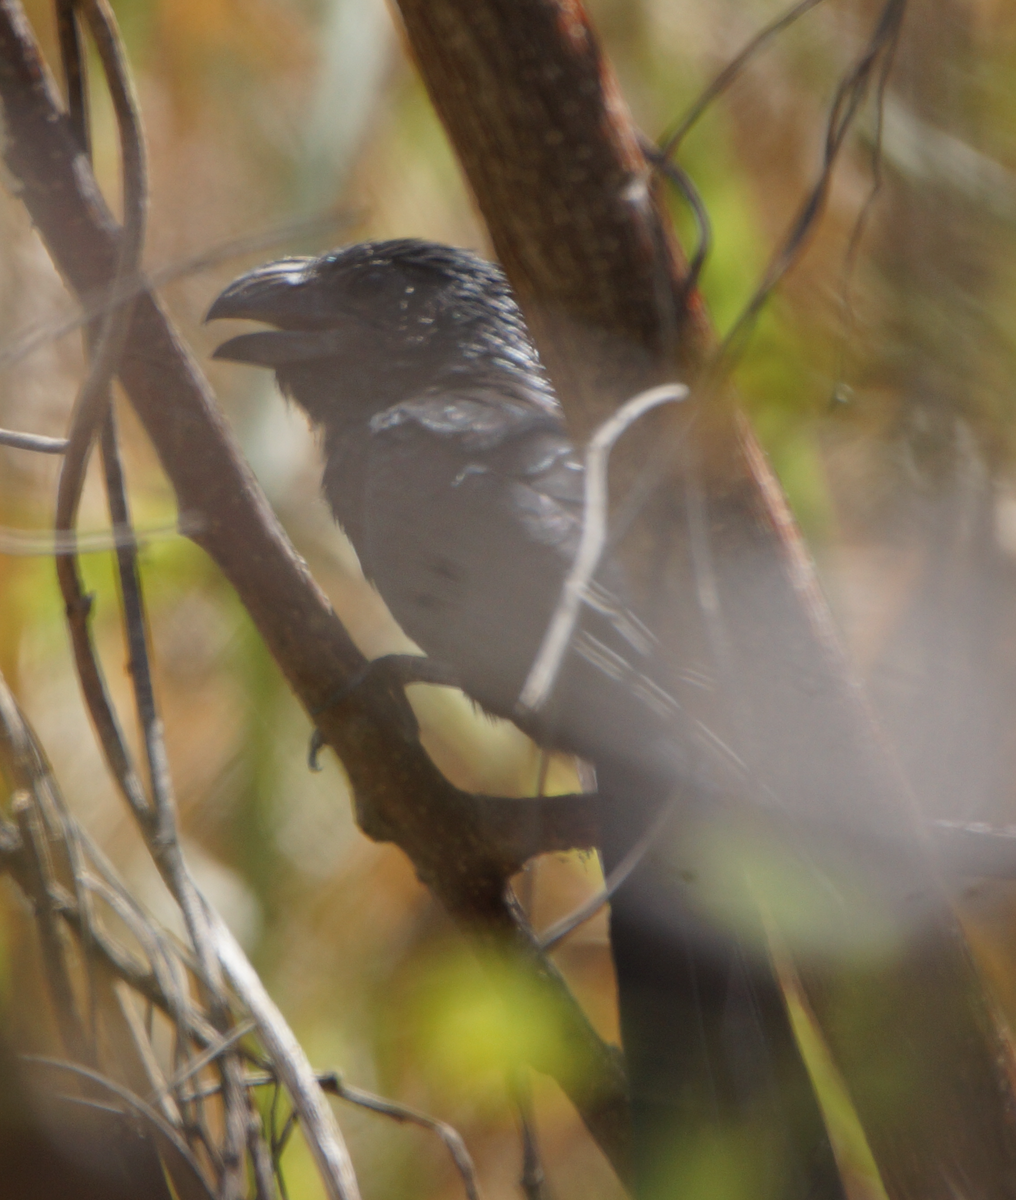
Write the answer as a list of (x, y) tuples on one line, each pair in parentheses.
[(449, 467)]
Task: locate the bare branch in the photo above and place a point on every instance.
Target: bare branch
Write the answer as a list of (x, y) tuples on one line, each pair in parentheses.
[(170, 1142), (334, 1084), (543, 674), (292, 1065), (33, 441)]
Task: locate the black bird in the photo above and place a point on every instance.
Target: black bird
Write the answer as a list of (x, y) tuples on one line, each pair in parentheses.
[(448, 465)]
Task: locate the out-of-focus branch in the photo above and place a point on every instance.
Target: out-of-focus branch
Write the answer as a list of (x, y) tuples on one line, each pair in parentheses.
[(93, 399), (170, 1141), (92, 411), (39, 854), (450, 836)]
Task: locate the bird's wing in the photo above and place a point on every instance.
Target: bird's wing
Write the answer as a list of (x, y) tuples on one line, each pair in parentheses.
[(472, 515)]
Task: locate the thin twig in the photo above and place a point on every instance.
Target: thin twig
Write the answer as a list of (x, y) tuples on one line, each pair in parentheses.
[(533, 1181), (54, 952), (847, 102), (21, 542), (156, 985), (24, 765), (92, 409), (169, 1138), (669, 143), (567, 925), (294, 1069), (544, 671), (135, 626), (93, 401), (75, 79), (73, 63), (221, 1044), (861, 223), (262, 1163), (682, 181), (451, 1137), (131, 287), (33, 441)]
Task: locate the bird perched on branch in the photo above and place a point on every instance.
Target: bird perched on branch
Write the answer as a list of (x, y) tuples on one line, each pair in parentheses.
[(448, 465)]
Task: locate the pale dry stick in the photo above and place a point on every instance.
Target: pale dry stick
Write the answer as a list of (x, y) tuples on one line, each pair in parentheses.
[(293, 1067), (92, 409), (544, 671), (218, 1047), (35, 852), (154, 984), (333, 1084), (158, 985), (119, 961), (256, 1147), (25, 765), (70, 834), (45, 828), (29, 770), (139, 1033), (28, 773), (25, 544), (33, 441)]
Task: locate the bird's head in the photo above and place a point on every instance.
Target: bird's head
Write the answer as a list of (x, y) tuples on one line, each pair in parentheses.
[(380, 321)]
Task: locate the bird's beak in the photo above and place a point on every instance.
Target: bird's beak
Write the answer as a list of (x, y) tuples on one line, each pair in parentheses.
[(275, 293), (286, 295), (273, 347)]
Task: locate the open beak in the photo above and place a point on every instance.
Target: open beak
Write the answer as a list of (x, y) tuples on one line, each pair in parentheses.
[(284, 294)]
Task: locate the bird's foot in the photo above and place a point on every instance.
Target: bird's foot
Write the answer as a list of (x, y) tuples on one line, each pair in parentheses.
[(387, 675)]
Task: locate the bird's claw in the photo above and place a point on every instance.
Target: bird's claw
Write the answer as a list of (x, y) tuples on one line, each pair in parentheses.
[(387, 675)]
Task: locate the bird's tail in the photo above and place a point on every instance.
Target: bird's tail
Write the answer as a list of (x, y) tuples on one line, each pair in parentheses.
[(722, 1103)]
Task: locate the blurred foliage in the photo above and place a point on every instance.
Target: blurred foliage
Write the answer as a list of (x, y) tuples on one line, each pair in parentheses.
[(880, 382)]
